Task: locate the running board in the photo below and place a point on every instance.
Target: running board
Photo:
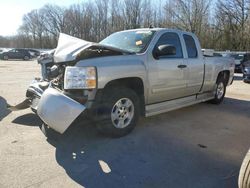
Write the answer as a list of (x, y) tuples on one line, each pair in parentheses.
[(167, 106)]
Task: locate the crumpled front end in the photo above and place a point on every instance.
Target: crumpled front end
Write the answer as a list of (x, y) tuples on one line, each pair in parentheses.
[(55, 109), (62, 93)]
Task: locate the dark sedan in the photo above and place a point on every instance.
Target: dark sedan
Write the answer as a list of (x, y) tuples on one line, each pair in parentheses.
[(238, 59), (16, 54)]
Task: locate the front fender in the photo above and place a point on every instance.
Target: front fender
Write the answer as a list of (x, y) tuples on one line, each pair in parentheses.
[(117, 67)]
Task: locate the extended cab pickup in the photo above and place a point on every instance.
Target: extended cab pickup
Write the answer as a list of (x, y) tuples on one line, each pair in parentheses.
[(141, 72)]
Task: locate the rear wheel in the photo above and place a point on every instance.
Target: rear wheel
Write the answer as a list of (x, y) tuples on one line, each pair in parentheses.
[(244, 176), (220, 90), (118, 115), (26, 58)]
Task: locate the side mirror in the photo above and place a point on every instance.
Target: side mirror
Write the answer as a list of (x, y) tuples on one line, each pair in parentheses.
[(164, 50)]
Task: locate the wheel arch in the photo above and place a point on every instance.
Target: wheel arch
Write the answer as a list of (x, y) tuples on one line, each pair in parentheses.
[(134, 83), (225, 74)]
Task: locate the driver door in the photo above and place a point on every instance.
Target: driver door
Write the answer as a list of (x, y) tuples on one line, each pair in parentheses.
[(167, 74)]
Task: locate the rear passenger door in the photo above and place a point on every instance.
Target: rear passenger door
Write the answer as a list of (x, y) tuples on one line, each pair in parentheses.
[(195, 65)]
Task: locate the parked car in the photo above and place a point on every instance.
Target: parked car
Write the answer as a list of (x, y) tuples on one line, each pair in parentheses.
[(245, 66), (246, 59), (238, 57), (16, 54), (246, 74), (246, 71), (244, 176), (141, 72)]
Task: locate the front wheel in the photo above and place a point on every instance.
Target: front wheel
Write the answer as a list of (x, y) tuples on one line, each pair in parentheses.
[(220, 91), (119, 113)]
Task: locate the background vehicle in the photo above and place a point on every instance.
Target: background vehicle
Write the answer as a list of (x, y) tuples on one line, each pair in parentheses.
[(245, 61), (245, 66), (238, 57), (128, 74), (244, 176), (16, 54), (246, 72)]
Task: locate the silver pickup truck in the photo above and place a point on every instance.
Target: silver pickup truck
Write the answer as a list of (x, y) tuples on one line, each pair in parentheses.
[(141, 72)]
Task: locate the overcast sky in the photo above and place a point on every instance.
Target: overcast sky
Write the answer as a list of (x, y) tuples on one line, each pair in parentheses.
[(12, 11)]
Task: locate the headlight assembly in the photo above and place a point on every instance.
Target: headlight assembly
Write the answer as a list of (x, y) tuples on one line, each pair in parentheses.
[(80, 78)]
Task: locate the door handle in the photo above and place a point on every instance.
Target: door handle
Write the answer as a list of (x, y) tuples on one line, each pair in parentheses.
[(182, 66)]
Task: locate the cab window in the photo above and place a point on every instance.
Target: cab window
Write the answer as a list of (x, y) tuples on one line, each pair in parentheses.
[(172, 39)]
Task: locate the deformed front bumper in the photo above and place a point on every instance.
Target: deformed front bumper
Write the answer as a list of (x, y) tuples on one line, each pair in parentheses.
[(57, 110), (54, 108)]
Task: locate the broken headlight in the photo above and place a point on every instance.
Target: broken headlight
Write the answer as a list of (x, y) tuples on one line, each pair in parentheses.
[(80, 78)]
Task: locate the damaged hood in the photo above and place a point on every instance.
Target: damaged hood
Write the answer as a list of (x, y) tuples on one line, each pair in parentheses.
[(70, 48)]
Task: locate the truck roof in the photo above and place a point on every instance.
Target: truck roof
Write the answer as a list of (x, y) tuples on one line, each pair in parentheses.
[(160, 29), (155, 29)]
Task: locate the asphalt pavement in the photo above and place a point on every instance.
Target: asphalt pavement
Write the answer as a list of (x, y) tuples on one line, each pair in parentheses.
[(201, 146)]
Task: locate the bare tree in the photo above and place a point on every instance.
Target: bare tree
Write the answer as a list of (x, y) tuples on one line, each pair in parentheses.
[(54, 19), (222, 25), (116, 21), (232, 17), (188, 14), (132, 13)]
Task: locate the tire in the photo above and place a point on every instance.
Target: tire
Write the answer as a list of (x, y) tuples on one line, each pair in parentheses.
[(220, 90), (26, 58), (5, 57), (118, 114), (244, 176)]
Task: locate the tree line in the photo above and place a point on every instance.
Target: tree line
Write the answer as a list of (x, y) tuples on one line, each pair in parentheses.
[(221, 25)]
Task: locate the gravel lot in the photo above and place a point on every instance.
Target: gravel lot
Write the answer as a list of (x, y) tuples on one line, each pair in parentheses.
[(198, 146)]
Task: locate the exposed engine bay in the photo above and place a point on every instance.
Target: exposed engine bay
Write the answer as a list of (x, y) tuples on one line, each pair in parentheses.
[(70, 51)]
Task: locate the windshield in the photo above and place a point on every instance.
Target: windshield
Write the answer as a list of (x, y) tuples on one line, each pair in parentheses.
[(132, 41)]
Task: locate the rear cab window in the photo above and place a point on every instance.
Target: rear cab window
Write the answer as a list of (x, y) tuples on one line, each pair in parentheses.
[(191, 47)]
